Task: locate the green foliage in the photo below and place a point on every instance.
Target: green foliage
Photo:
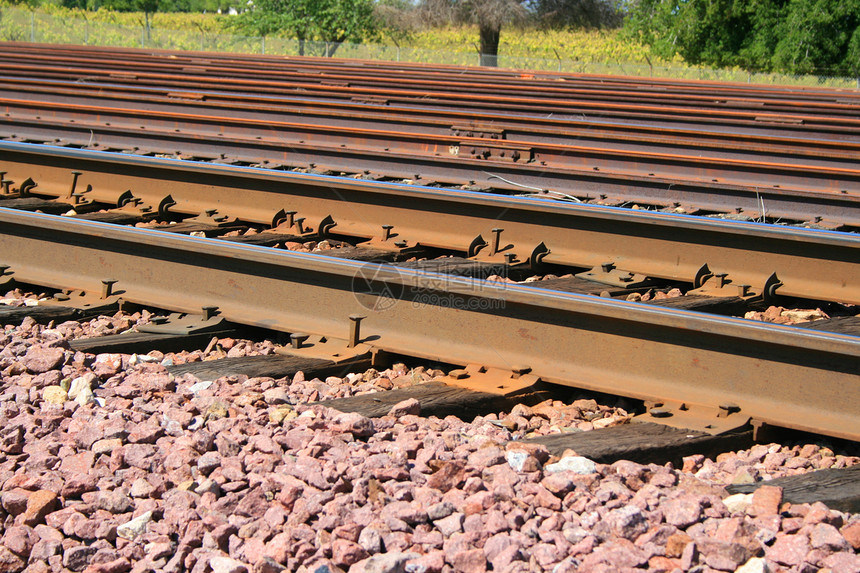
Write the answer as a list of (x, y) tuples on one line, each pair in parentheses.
[(577, 14), (794, 36), (145, 6), (316, 20), (398, 20), (819, 35), (26, 4)]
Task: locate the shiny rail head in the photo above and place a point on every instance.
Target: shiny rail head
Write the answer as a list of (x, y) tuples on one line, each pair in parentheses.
[(576, 340), (411, 191), (293, 264)]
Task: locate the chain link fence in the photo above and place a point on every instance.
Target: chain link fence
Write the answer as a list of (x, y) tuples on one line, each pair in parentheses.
[(18, 25)]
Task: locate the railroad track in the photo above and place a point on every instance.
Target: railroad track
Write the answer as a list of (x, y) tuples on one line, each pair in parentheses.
[(759, 166), (793, 180), (705, 370), (513, 335), (327, 72), (712, 255), (689, 362), (218, 253)]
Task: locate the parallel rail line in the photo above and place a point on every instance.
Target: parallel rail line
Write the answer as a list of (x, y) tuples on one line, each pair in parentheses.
[(820, 265), (430, 121), (776, 375), (818, 185), (680, 165), (595, 138), (373, 73), (522, 99)]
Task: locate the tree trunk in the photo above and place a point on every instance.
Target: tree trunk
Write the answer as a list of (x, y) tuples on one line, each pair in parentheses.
[(489, 44), (332, 46), (301, 46)]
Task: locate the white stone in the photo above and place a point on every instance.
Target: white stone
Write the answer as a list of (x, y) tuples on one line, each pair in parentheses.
[(388, 562), (576, 464), (370, 540), (81, 384), (139, 358), (754, 565), (200, 386), (738, 503), (85, 396), (221, 564), (517, 459), (137, 526)]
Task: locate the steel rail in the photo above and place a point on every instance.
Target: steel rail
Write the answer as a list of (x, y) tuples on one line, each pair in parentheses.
[(535, 93), (602, 185), (758, 122), (744, 257), (676, 163), (22, 95), (778, 375), (329, 69), (447, 72), (456, 84), (423, 97), (366, 114)]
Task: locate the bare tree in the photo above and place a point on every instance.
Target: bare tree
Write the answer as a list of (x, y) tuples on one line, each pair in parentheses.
[(489, 15), (492, 15)]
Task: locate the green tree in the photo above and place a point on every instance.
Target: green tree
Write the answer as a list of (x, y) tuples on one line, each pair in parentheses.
[(330, 21), (580, 14), (819, 36), (795, 36), (713, 32)]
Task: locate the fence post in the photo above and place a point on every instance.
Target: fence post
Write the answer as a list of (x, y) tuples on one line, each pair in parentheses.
[(33, 26)]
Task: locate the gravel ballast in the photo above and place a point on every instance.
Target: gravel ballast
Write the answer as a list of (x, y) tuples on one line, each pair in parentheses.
[(109, 464)]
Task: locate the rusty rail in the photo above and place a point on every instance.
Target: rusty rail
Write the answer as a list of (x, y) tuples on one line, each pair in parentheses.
[(777, 375), (732, 257), (328, 70), (271, 76), (424, 120), (819, 191), (756, 169)]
